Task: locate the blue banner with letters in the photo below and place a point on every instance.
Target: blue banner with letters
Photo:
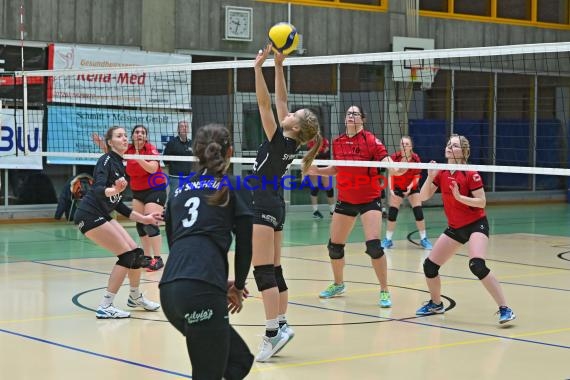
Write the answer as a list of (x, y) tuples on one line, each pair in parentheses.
[(14, 154)]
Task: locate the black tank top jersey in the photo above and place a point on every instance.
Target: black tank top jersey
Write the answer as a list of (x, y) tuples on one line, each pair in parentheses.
[(108, 169), (273, 159), (200, 235)]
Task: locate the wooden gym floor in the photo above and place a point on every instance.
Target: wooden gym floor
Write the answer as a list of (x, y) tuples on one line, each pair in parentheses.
[(52, 278)]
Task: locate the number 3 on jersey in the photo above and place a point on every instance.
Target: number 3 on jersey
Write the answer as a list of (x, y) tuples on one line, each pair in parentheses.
[(192, 205)]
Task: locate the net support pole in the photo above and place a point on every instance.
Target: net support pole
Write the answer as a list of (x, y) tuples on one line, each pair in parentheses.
[(452, 104), (24, 115), (493, 136), (534, 127)]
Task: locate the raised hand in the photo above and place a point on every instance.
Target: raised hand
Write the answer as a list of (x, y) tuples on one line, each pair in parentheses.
[(262, 56)]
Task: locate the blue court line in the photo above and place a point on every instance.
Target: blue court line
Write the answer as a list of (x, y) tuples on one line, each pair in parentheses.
[(95, 353)]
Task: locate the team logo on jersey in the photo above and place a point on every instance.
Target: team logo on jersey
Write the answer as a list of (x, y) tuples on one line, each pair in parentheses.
[(115, 198), (476, 177), (269, 218), (201, 316)]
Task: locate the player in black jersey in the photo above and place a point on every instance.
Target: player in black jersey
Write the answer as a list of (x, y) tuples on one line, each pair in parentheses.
[(93, 220), (194, 290), (273, 159)]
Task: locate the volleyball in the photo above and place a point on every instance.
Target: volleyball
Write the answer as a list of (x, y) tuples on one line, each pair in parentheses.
[(284, 37)]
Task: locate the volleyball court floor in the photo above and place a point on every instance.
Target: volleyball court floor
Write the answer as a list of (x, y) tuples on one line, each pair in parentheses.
[(52, 278)]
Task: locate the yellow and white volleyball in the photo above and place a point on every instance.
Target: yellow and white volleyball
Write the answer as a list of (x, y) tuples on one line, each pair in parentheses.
[(284, 37)]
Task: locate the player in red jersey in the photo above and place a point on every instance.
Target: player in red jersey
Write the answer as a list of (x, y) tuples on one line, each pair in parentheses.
[(359, 191), (324, 183), (406, 186), (149, 193), (464, 202)]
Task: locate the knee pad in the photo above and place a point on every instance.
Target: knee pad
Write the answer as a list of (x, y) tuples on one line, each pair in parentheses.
[(431, 269), (336, 251), (151, 230), (418, 213), (478, 268), (314, 191), (392, 214), (330, 193), (264, 277), (281, 284), (133, 259), (140, 229), (374, 249)]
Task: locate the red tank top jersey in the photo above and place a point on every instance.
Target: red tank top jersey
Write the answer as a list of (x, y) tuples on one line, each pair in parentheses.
[(358, 184), (459, 214), (139, 178), (403, 181)]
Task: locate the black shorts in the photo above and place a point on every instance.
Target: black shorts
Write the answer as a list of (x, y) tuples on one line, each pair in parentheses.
[(400, 192), (350, 209), (199, 310), (150, 196), (462, 235), (271, 217), (86, 221)]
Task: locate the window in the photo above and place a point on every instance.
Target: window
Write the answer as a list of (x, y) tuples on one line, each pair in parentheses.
[(515, 9), (363, 2), (470, 7), (346, 4), (434, 5), (554, 11)]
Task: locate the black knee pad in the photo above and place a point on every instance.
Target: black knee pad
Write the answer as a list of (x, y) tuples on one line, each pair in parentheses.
[(418, 213), (265, 277), (374, 249), (314, 190), (336, 251), (133, 259), (478, 268), (151, 230), (392, 214), (281, 284), (140, 229), (330, 193), (431, 269)]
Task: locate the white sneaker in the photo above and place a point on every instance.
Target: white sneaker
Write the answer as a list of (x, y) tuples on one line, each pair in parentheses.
[(290, 333), (269, 346), (111, 312), (143, 302)]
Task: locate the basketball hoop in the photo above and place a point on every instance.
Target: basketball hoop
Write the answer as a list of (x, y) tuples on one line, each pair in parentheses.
[(425, 75)]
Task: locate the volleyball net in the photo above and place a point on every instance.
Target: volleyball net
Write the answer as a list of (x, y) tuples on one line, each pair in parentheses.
[(511, 102)]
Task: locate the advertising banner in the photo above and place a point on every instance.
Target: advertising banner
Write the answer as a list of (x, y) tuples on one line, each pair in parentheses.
[(12, 143), (71, 129), (165, 89)]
